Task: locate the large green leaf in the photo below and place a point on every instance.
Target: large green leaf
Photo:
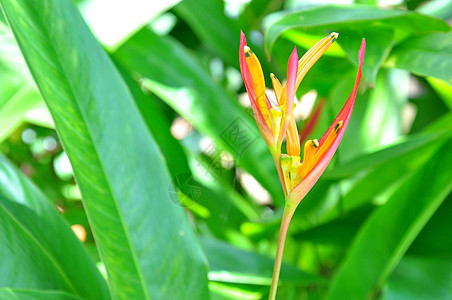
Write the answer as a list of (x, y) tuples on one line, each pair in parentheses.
[(381, 105), (29, 227), (389, 155), (144, 239), (20, 294), (443, 89), (426, 55), (380, 176), (439, 9), (434, 239), (420, 278), (388, 233), (229, 264), (380, 27), (171, 72), (339, 231), (330, 17), (213, 27)]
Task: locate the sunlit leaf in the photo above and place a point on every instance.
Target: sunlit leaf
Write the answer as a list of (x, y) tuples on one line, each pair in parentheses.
[(229, 264), (380, 27), (420, 278), (426, 55)]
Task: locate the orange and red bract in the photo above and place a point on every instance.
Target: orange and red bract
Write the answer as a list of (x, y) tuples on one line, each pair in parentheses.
[(311, 170), (278, 122)]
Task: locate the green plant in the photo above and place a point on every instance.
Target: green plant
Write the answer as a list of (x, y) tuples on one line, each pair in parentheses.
[(178, 214)]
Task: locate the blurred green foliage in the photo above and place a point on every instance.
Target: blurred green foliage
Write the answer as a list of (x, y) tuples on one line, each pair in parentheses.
[(142, 135)]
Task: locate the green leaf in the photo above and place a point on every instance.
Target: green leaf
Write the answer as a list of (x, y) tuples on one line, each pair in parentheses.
[(439, 9), (331, 17), (213, 27), (443, 90), (229, 264), (388, 233), (171, 72), (339, 231), (374, 184), (29, 227), (145, 241), (15, 101), (18, 93), (380, 27), (426, 55), (407, 147), (379, 43), (383, 106), (420, 278), (434, 240), (20, 294), (221, 291)]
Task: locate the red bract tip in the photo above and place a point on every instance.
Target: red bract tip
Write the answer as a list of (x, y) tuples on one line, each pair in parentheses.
[(292, 69), (300, 191)]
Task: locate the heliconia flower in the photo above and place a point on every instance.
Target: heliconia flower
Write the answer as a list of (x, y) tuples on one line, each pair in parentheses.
[(278, 122)]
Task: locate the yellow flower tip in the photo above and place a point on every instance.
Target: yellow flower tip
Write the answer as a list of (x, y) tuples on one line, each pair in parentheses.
[(338, 126), (315, 143), (277, 87), (311, 145), (334, 35), (312, 55), (247, 51)]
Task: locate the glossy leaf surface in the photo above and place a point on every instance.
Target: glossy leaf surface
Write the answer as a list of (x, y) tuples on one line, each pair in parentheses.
[(426, 55)]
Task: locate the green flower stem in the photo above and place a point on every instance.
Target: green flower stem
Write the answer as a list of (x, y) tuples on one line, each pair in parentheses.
[(287, 216)]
